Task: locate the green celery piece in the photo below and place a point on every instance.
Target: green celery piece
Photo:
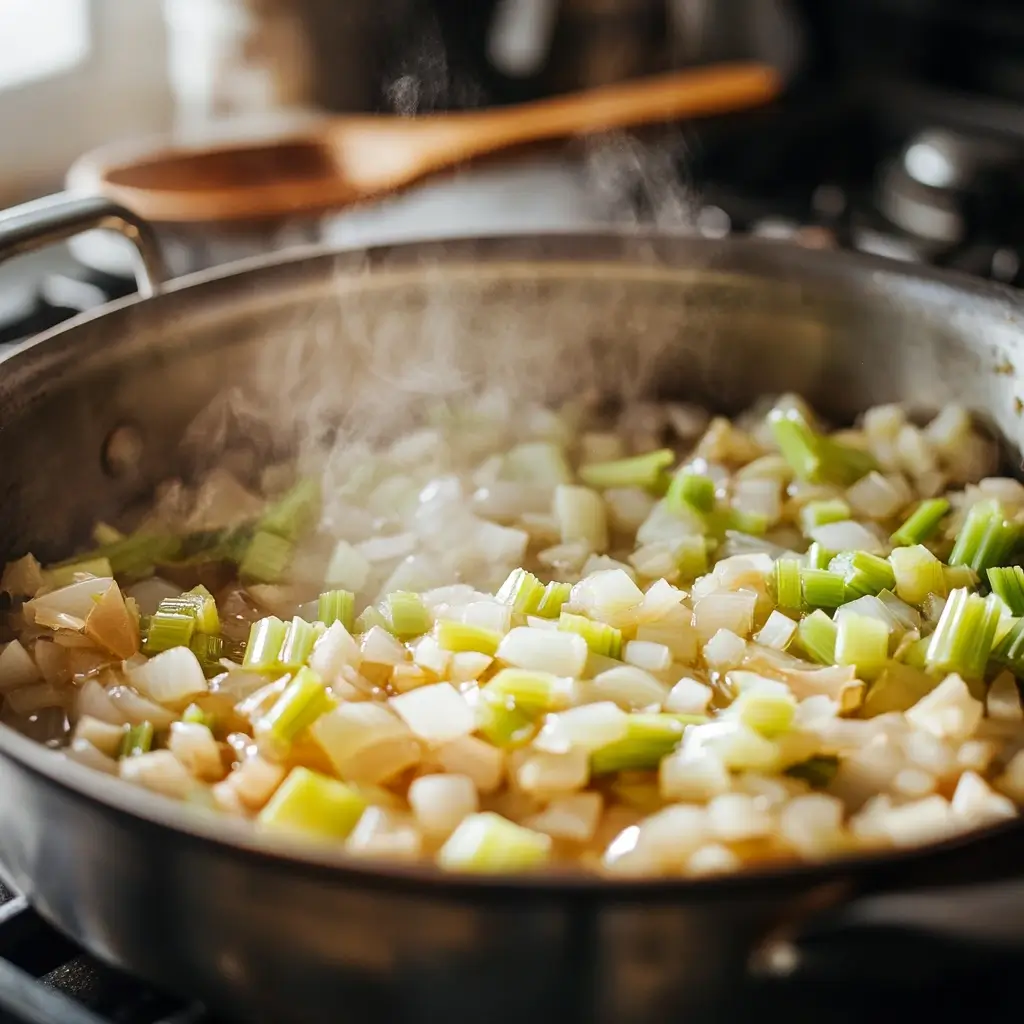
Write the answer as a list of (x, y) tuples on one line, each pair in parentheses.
[(294, 513), (601, 638), (963, 638), (137, 740), (313, 804), (638, 471), (649, 738), (922, 523), (1008, 583), (266, 559)]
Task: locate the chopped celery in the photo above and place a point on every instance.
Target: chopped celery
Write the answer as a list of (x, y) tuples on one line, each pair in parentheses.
[(638, 471), (536, 462), (487, 842), (209, 650), (649, 738), (266, 558), (963, 638), (457, 636), (64, 575), (862, 641), (601, 638), (692, 490), (555, 595), (817, 557), (207, 618), (817, 636), (523, 591), (502, 723), (916, 655), (168, 629), (314, 804), (534, 693), (294, 513), (770, 714), (918, 573), (1010, 651), (1008, 583), (104, 533), (817, 772), (818, 513), (865, 574), (788, 595), (811, 456), (266, 638), (986, 539), (298, 643), (921, 523), (136, 555), (408, 615), (199, 605), (822, 589), (195, 715), (137, 740), (369, 617), (752, 523), (336, 606), (691, 557), (303, 701)]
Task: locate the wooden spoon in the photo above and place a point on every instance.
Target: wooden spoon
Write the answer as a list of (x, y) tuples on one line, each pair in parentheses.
[(342, 160)]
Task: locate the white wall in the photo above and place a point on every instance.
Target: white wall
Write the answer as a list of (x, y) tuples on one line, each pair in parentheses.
[(118, 89)]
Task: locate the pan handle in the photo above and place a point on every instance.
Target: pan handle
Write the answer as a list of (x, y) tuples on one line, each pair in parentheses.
[(31, 226)]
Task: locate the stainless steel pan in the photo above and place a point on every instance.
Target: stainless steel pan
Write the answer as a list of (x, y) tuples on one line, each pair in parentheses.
[(91, 417)]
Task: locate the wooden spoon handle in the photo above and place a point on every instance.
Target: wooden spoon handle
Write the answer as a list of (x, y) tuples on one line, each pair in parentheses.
[(697, 92)]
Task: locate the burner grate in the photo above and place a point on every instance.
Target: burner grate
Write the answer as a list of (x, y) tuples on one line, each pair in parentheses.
[(46, 979)]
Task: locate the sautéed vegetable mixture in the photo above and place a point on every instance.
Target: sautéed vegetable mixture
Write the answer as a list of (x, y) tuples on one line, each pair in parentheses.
[(654, 643)]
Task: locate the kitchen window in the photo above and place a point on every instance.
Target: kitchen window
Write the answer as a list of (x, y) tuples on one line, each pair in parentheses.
[(75, 74)]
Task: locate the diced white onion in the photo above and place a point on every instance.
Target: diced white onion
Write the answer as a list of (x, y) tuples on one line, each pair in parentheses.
[(172, 677), (589, 727), (724, 650), (546, 775), (632, 689), (777, 632), (440, 802), (475, 758), (847, 535), (159, 771), (573, 817), (729, 610), (194, 746), (17, 668), (560, 653), (437, 713)]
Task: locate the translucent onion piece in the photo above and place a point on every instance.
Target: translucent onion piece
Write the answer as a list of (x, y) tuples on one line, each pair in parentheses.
[(174, 678)]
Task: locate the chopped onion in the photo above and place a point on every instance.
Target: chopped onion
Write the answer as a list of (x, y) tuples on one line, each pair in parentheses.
[(847, 535), (546, 775), (735, 817), (693, 776), (724, 650), (366, 742), (647, 655), (561, 654), (588, 727), (194, 746), (137, 709), (474, 758), (436, 714), (777, 632), (949, 711), (74, 601), (30, 699), (17, 668), (333, 652), (159, 771), (725, 610), (572, 817), (84, 752), (441, 802), (173, 677), (632, 689), (104, 736)]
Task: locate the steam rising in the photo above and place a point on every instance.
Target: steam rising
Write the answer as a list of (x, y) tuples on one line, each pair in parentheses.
[(341, 379)]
